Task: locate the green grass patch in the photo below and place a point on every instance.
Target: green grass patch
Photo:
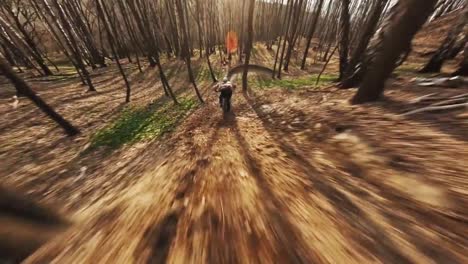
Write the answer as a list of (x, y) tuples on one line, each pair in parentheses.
[(204, 74), (140, 124), (411, 70), (254, 51), (171, 72), (408, 69), (218, 73), (296, 83), (60, 61)]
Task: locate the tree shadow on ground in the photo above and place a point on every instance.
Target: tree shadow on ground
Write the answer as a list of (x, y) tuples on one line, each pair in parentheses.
[(445, 224), (402, 212), (451, 126), (159, 236), (288, 235), (364, 231), (447, 125)]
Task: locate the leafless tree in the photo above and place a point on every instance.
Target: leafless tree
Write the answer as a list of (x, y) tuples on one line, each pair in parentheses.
[(406, 18), (25, 90)]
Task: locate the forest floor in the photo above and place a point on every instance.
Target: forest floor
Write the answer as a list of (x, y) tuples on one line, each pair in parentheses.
[(295, 174)]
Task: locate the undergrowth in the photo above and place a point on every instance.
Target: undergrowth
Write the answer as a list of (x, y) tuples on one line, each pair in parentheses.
[(407, 69), (412, 70), (139, 124), (296, 83), (205, 75)]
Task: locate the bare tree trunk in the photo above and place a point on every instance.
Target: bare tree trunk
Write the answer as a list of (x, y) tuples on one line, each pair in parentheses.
[(40, 12), (17, 52), (165, 82), (344, 42), (463, 68), (74, 45), (310, 35), (8, 55), (281, 31), (185, 47), (242, 40), (36, 54), (9, 34), (293, 36), (248, 44), (358, 53), (288, 17), (451, 46), (399, 29), (24, 89), (326, 64), (103, 15)]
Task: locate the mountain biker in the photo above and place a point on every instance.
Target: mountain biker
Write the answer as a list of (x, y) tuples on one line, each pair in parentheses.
[(225, 88)]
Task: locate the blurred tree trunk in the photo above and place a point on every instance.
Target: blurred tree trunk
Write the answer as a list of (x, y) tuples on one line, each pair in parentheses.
[(281, 30), (63, 46), (16, 50), (104, 14), (81, 25), (406, 18), (344, 34), (203, 27), (20, 26), (67, 33), (19, 46), (294, 31), (311, 32), (185, 47), (288, 18), (452, 45), (463, 68), (242, 32), (8, 55), (248, 44), (137, 49), (173, 28), (445, 7), (352, 74)]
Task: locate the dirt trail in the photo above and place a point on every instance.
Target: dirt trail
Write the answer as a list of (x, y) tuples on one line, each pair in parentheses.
[(235, 189), (296, 176)]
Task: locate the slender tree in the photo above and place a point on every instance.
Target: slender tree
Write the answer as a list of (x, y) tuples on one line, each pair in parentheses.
[(185, 47), (18, 13), (463, 67), (311, 32), (104, 16), (248, 44), (451, 46), (344, 33)]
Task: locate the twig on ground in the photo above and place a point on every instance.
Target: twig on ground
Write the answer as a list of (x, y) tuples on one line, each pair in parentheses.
[(450, 101), (420, 99), (459, 96), (325, 66), (436, 108)]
